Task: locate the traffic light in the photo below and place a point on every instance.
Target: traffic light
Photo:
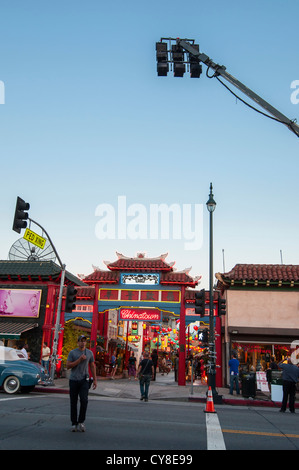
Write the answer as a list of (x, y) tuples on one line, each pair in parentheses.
[(20, 216), (70, 301), (195, 67), (162, 59), (205, 336), (200, 302), (221, 306), (178, 59)]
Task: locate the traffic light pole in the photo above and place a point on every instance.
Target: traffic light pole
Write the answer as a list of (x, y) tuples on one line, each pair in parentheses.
[(212, 358), (54, 359), (57, 327), (221, 70)]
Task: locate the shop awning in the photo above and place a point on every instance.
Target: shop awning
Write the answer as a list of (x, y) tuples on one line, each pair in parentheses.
[(12, 330)]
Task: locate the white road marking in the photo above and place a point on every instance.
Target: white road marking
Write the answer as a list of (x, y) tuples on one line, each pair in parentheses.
[(215, 439)]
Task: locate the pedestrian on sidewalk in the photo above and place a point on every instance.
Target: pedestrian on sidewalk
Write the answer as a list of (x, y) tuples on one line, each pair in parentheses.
[(113, 366), (145, 373), (45, 356), (290, 375), (234, 374), (154, 357), (132, 366), (78, 361)]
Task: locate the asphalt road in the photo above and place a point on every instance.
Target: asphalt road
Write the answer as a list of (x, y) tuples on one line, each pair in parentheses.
[(41, 422)]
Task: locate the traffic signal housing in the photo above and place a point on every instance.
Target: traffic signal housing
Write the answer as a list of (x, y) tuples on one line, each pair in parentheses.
[(195, 67), (200, 298), (70, 301), (20, 217), (162, 59), (178, 61), (205, 336), (221, 306)]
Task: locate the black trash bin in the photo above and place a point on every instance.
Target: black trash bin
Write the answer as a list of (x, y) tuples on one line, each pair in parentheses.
[(248, 385)]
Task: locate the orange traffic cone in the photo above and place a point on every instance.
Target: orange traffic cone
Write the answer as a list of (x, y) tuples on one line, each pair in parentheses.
[(210, 403)]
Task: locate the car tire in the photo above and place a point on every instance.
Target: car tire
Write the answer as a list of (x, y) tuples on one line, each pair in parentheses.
[(11, 384)]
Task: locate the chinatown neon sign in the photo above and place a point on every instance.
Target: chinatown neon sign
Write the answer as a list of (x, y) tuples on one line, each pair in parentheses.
[(140, 314)]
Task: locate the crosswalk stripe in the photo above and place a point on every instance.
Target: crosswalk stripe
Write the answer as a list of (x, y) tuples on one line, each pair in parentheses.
[(259, 433), (215, 439)]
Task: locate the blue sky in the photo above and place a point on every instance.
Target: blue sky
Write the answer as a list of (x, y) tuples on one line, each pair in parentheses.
[(86, 120)]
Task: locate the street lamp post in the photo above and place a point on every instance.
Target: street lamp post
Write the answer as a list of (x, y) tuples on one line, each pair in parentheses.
[(211, 206)]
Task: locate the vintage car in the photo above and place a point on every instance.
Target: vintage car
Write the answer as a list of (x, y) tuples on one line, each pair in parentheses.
[(17, 373)]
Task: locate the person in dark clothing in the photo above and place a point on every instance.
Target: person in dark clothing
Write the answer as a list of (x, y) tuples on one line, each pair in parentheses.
[(290, 375), (78, 361), (145, 373), (154, 356), (234, 374)]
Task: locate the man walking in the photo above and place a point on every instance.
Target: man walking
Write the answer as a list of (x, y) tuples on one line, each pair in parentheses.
[(290, 375), (78, 361), (145, 372)]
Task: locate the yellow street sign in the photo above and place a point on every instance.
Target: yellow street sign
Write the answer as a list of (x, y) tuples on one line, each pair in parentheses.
[(34, 238)]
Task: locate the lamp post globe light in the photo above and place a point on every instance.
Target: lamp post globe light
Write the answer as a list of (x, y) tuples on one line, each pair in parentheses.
[(211, 206)]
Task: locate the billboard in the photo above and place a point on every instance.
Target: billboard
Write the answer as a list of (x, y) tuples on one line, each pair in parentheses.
[(20, 303)]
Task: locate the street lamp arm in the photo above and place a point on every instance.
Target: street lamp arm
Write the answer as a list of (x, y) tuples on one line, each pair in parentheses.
[(221, 70)]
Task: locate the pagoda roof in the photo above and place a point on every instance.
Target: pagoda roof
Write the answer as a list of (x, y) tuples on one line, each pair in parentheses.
[(141, 264)]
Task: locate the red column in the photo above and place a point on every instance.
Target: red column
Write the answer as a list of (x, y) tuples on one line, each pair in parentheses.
[(95, 320), (49, 315), (182, 341)]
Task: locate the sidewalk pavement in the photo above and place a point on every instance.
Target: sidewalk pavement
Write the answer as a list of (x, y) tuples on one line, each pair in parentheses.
[(163, 388)]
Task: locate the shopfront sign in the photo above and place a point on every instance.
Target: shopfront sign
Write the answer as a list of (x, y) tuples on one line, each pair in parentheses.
[(140, 314)]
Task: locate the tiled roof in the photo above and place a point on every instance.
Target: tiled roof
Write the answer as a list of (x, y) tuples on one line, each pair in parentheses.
[(100, 276), (179, 278), (34, 271), (275, 272), (140, 263), (85, 293)]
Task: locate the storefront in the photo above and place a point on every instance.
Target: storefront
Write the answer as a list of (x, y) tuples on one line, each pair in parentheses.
[(254, 357), (28, 304), (262, 314)]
